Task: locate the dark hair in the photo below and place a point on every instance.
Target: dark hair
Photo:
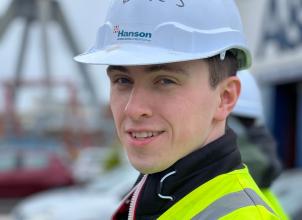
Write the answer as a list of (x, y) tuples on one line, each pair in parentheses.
[(221, 69)]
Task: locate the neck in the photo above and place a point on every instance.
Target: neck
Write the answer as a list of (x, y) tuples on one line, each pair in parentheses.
[(217, 131)]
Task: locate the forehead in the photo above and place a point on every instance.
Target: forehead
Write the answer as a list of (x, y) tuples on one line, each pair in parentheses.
[(177, 67)]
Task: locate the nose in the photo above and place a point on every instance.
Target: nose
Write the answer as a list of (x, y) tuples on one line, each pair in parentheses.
[(138, 105)]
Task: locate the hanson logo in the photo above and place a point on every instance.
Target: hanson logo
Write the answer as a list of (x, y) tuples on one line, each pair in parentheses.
[(131, 35)]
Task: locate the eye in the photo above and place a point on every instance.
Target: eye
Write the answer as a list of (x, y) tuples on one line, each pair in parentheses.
[(121, 80), (166, 81)]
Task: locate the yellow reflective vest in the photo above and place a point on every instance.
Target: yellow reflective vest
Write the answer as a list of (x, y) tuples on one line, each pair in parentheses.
[(230, 196), (275, 203)]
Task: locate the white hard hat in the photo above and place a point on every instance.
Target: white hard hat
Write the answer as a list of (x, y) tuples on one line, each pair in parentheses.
[(143, 32), (249, 103)]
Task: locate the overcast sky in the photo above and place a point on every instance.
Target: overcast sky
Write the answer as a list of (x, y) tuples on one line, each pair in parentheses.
[(84, 18)]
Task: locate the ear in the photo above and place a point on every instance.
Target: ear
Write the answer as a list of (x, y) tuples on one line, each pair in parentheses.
[(229, 90)]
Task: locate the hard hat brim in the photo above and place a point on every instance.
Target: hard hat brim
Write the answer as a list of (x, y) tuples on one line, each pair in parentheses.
[(135, 55)]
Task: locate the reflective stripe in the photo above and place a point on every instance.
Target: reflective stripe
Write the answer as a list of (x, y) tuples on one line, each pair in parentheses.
[(230, 203)]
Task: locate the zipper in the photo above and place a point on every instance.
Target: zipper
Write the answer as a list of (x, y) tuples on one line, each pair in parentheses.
[(132, 206)]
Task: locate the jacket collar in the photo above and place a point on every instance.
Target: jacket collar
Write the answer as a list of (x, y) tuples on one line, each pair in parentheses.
[(163, 189)]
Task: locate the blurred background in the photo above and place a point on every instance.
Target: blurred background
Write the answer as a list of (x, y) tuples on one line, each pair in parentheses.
[(56, 129)]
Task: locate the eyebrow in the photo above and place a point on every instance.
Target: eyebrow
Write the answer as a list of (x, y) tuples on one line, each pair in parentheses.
[(116, 68), (167, 68), (150, 69)]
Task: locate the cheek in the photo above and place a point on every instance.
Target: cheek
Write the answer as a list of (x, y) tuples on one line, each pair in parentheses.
[(190, 125), (117, 108), (193, 116)]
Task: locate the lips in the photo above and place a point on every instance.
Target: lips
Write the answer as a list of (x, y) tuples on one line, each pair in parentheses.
[(144, 134), (142, 137)]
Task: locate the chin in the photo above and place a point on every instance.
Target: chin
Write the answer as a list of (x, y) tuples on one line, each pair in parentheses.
[(149, 168), (146, 169)]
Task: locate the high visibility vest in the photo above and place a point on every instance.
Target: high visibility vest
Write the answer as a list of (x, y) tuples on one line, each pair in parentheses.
[(230, 196), (275, 203)]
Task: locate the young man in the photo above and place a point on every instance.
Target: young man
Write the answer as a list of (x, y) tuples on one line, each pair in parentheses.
[(172, 66)]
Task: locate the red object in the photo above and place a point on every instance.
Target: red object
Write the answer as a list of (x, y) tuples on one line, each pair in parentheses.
[(24, 172)]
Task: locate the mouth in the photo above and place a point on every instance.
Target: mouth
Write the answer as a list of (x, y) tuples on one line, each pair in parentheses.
[(143, 135)]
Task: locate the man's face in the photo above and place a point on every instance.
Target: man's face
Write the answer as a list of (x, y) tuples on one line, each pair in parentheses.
[(163, 112)]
